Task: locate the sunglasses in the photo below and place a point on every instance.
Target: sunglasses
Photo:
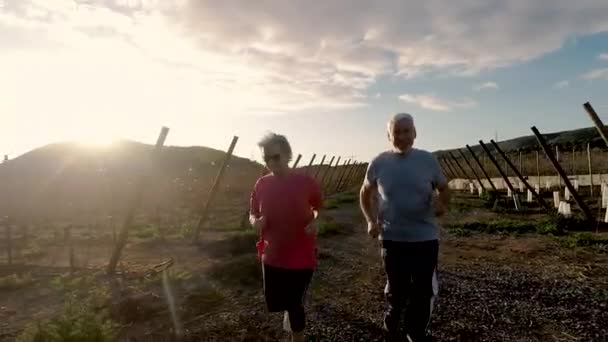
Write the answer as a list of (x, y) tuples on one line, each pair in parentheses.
[(272, 157)]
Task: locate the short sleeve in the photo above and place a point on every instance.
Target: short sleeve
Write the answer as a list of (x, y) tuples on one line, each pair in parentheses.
[(254, 201), (371, 174), (438, 176), (316, 196)]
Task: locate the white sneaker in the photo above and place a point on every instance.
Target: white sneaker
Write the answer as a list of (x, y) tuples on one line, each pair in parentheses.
[(286, 323)]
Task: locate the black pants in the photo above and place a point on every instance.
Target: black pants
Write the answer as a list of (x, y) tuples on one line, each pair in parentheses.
[(411, 281), (284, 290)]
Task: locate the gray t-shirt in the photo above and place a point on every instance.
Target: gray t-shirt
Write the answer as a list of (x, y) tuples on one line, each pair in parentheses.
[(405, 191)]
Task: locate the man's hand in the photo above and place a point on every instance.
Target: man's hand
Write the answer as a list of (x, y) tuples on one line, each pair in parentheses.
[(373, 229), (439, 206), (259, 223)]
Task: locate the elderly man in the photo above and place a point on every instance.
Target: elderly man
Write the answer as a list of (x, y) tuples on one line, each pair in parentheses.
[(403, 192)]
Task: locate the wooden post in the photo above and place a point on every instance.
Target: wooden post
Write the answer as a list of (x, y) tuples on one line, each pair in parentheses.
[(537, 169), (452, 169), (445, 168), (218, 178), (320, 167), (590, 169), (312, 160), (481, 167), (491, 157), (540, 200), (9, 243), (327, 170), (521, 166), (133, 205), (472, 169), (561, 172), (466, 176), (340, 175), (344, 182), (295, 164), (601, 129), (559, 180)]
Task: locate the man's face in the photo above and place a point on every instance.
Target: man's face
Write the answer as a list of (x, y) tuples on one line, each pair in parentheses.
[(402, 135)]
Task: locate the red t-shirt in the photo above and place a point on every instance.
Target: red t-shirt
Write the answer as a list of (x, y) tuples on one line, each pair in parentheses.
[(287, 202)]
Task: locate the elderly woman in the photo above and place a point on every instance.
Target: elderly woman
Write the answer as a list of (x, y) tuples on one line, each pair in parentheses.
[(284, 205)]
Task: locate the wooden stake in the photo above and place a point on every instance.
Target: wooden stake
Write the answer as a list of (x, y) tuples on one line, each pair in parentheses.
[(540, 200), (599, 125), (521, 166), (9, 243), (559, 180), (563, 175), (319, 167), (312, 160), (590, 169), (133, 205), (491, 157), (466, 176), (218, 179), (537, 169), (340, 174), (481, 167), (295, 164), (344, 183), (327, 170), (472, 169)]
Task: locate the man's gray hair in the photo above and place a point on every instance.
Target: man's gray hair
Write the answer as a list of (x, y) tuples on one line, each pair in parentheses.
[(397, 118), (278, 140)]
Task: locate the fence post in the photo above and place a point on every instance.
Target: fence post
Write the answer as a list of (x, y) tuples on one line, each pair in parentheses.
[(320, 167), (472, 169), (491, 157), (449, 166), (521, 166), (601, 129), (9, 242), (519, 175), (444, 168), (349, 175), (481, 167), (561, 172), (341, 174), (466, 176), (590, 169), (330, 174), (453, 168), (557, 158), (218, 179), (295, 164), (312, 160), (134, 203), (327, 170)]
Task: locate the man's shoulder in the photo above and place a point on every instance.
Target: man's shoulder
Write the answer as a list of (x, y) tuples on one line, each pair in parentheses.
[(382, 157)]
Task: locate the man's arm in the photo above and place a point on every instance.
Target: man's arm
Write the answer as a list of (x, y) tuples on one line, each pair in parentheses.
[(367, 203), (443, 199)]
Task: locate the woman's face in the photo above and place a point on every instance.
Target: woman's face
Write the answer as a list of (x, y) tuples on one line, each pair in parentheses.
[(275, 158)]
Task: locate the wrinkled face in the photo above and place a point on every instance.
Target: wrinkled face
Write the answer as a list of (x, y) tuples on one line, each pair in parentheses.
[(402, 135), (276, 159)]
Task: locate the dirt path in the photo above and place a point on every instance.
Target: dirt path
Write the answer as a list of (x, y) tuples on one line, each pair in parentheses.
[(488, 292)]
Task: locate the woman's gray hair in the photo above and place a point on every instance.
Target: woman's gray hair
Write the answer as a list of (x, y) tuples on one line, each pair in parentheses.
[(398, 117), (278, 140)]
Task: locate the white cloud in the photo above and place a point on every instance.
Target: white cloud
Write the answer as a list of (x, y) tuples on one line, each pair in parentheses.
[(561, 84), (279, 56), (595, 74), (487, 85), (434, 103), (603, 57)]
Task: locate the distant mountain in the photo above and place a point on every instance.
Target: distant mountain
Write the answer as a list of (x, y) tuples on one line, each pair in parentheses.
[(67, 179)]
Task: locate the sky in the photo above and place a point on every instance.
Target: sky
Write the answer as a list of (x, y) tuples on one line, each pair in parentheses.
[(327, 74)]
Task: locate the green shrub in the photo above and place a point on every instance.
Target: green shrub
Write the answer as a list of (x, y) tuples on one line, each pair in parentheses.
[(15, 281), (78, 323)]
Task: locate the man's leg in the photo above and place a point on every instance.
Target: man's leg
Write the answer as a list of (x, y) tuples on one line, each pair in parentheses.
[(424, 288), (297, 317), (397, 283)]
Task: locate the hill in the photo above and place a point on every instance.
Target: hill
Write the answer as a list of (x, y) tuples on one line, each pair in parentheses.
[(578, 138), (69, 179)]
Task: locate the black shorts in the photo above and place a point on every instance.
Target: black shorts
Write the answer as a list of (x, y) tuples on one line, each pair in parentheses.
[(284, 289)]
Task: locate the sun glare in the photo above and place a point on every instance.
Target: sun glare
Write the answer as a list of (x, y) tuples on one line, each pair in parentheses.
[(96, 140)]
